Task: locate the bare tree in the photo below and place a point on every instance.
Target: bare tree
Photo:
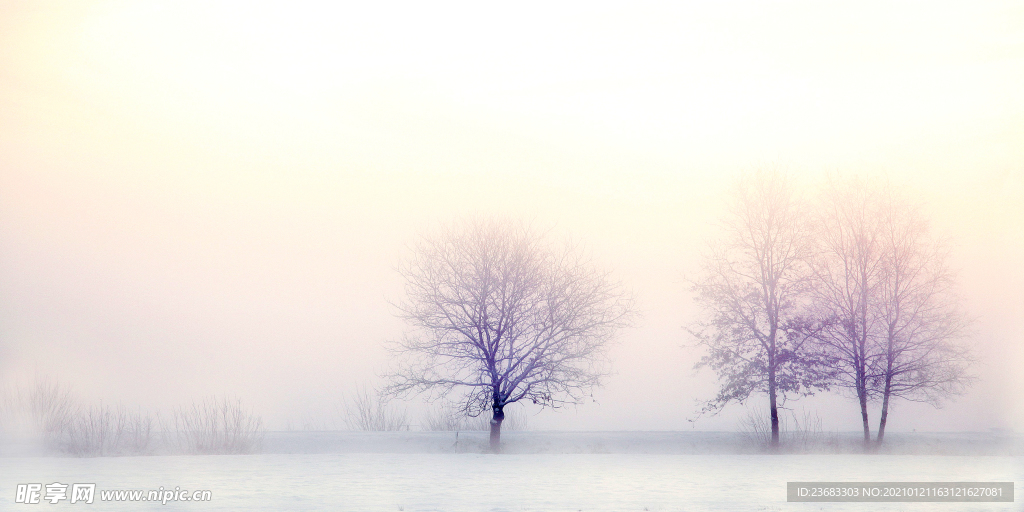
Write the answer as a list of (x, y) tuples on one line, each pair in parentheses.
[(848, 269), (499, 316), (753, 288), (920, 317), (893, 323)]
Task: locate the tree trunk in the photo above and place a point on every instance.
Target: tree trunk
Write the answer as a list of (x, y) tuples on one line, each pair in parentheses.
[(862, 395), (499, 416), (888, 385), (881, 423), (862, 338), (885, 406), (773, 403)]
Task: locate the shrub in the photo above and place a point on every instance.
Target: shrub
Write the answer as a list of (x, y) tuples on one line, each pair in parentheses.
[(103, 430), (217, 427), (367, 411), (51, 407), (796, 434), (442, 418)]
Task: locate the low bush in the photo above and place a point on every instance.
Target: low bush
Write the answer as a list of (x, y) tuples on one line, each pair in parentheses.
[(366, 410), (105, 430), (217, 426), (796, 434)]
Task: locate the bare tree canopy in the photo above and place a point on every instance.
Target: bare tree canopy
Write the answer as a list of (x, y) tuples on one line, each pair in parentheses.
[(923, 325), (894, 324), (753, 289), (853, 294), (847, 268), (499, 316)]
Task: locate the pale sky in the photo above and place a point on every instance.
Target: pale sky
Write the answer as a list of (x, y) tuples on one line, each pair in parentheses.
[(202, 198)]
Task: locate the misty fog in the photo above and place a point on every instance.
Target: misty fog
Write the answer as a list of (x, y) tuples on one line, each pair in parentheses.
[(201, 201)]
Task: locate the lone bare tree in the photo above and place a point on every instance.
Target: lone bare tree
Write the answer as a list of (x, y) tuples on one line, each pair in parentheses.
[(753, 288), (500, 316), (920, 317)]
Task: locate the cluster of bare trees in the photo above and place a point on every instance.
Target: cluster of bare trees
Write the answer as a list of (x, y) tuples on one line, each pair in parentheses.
[(849, 292)]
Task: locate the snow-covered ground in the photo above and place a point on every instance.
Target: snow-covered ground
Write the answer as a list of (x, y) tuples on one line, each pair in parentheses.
[(404, 472)]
